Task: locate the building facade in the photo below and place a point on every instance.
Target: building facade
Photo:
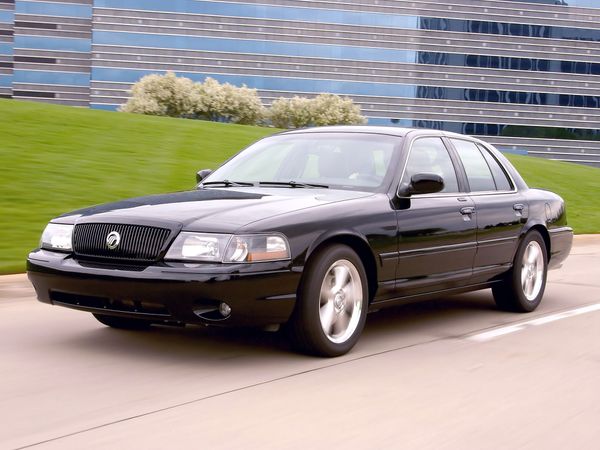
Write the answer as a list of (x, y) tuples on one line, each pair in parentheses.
[(525, 74)]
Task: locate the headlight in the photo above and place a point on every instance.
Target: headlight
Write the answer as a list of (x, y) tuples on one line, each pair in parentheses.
[(227, 248), (57, 237), (198, 247), (257, 247)]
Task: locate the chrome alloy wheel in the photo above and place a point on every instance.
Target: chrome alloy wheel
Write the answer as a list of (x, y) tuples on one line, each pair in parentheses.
[(340, 301), (532, 271)]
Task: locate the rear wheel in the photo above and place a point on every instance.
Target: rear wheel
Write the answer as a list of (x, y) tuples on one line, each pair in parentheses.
[(332, 303), (123, 322), (523, 287)]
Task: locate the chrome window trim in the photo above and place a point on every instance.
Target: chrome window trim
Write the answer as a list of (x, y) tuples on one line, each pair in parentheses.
[(456, 194)]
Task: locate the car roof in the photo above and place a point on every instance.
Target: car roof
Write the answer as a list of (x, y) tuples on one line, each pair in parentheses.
[(392, 131)]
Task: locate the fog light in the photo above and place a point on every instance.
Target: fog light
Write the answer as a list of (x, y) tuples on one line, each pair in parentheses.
[(224, 309)]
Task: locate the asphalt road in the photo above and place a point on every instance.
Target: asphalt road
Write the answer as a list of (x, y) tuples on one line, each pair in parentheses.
[(444, 374)]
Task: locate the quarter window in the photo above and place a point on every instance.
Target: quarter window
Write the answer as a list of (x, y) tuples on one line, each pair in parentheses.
[(478, 172), (502, 181), (429, 155)]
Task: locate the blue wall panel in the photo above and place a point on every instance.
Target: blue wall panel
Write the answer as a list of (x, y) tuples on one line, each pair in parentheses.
[(53, 9), (271, 83), (53, 43), (252, 46), (43, 77)]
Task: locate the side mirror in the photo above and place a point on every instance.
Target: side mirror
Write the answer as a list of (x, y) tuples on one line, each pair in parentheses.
[(202, 174), (422, 183)]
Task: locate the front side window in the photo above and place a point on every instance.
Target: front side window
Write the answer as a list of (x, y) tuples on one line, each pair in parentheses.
[(478, 172), (429, 155)]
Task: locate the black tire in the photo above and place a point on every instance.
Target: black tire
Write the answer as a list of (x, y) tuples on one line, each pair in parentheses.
[(123, 323), (513, 293), (345, 306)]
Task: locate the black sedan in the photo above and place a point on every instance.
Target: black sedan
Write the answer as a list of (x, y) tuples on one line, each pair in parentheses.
[(311, 229)]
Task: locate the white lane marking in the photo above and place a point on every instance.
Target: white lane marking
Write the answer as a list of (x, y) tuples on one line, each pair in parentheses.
[(501, 331)]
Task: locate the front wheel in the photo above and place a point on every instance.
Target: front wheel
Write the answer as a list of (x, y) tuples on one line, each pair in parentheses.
[(122, 322), (332, 303), (523, 287)]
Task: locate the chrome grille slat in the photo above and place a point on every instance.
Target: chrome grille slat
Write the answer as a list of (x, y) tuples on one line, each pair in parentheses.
[(138, 242)]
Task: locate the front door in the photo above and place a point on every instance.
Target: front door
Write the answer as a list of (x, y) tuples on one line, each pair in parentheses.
[(436, 232)]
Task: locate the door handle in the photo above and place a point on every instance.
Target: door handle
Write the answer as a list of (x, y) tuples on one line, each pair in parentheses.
[(467, 210), (518, 207)]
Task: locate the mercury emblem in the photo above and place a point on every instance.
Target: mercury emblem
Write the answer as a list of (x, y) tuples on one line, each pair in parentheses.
[(113, 240)]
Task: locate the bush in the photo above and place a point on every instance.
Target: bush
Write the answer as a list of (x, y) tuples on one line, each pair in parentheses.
[(170, 95), (227, 103), (291, 112), (162, 95), (324, 109)]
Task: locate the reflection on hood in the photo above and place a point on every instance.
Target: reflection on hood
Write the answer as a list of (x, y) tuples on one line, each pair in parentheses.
[(162, 199)]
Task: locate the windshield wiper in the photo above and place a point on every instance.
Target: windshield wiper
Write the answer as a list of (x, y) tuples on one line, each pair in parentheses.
[(228, 183), (293, 184)]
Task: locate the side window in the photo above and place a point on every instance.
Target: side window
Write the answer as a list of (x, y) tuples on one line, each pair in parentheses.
[(478, 172), (431, 156), (502, 181)]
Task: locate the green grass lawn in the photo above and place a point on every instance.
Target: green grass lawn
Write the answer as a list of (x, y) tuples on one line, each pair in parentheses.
[(56, 158)]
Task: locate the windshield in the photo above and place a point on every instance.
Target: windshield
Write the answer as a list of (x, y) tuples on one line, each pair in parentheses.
[(340, 160)]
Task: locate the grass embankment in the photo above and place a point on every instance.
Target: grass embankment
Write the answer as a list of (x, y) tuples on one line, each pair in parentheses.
[(55, 159), (579, 185)]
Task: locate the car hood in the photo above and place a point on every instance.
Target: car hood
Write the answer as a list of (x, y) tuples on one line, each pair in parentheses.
[(212, 209)]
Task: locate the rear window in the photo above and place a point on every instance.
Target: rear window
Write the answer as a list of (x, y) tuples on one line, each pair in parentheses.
[(478, 172)]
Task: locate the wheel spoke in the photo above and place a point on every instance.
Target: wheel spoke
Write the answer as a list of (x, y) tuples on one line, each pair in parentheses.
[(528, 286), (341, 276), (327, 316), (532, 255), (341, 324)]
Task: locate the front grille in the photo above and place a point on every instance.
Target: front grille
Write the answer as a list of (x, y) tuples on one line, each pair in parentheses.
[(137, 243)]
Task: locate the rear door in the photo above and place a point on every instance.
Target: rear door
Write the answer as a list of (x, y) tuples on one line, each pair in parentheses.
[(500, 211), (436, 231)]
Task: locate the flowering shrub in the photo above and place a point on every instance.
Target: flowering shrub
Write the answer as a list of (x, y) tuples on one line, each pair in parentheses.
[(170, 95), (291, 112), (162, 95), (324, 109), (227, 103)]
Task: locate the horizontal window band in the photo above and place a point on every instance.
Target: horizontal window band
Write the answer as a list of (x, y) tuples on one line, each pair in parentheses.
[(373, 12), (451, 28), (395, 43), (431, 91), (344, 52)]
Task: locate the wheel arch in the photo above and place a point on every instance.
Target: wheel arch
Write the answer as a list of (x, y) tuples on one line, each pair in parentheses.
[(356, 242), (540, 228)]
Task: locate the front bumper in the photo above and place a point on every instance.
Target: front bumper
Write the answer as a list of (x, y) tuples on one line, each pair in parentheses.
[(258, 294)]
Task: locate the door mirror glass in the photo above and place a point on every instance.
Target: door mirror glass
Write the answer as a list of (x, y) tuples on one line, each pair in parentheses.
[(202, 174), (423, 183)]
